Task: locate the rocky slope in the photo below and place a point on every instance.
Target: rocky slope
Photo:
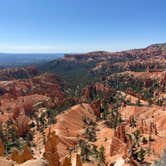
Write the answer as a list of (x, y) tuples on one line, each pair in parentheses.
[(18, 73)]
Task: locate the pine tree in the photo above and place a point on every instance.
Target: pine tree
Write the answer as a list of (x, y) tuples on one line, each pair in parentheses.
[(101, 156)]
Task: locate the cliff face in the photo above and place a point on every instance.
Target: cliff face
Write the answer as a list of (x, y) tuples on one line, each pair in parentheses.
[(151, 51), (18, 73), (22, 95), (43, 84)]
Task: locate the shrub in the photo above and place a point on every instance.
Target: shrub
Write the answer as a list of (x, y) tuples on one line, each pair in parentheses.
[(85, 150), (141, 155), (144, 140), (132, 122), (101, 156), (90, 133)]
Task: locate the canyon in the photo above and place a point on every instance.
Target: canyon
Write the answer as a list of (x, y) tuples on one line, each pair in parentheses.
[(95, 109)]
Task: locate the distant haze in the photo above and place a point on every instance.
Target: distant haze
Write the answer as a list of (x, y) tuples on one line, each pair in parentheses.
[(8, 60)]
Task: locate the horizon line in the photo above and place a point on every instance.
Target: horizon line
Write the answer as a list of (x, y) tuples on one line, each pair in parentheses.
[(75, 52)]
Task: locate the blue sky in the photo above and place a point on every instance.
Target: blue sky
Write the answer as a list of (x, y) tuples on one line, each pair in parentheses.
[(80, 25)]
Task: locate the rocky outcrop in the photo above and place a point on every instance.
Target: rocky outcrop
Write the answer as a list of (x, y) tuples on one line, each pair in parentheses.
[(150, 51), (2, 150), (67, 161), (120, 133), (51, 153), (23, 156), (145, 128), (18, 73), (73, 160), (46, 84), (23, 124), (76, 160), (96, 106), (69, 129), (119, 141), (90, 92), (117, 147)]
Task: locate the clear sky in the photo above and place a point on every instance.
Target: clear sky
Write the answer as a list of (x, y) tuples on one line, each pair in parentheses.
[(80, 25)]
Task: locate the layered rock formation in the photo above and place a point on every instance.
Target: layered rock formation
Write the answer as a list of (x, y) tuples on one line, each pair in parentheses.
[(97, 89)]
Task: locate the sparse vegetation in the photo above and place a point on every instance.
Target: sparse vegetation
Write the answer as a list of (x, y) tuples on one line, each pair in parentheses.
[(101, 156), (89, 153), (132, 122), (90, 133), (137, 152)]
